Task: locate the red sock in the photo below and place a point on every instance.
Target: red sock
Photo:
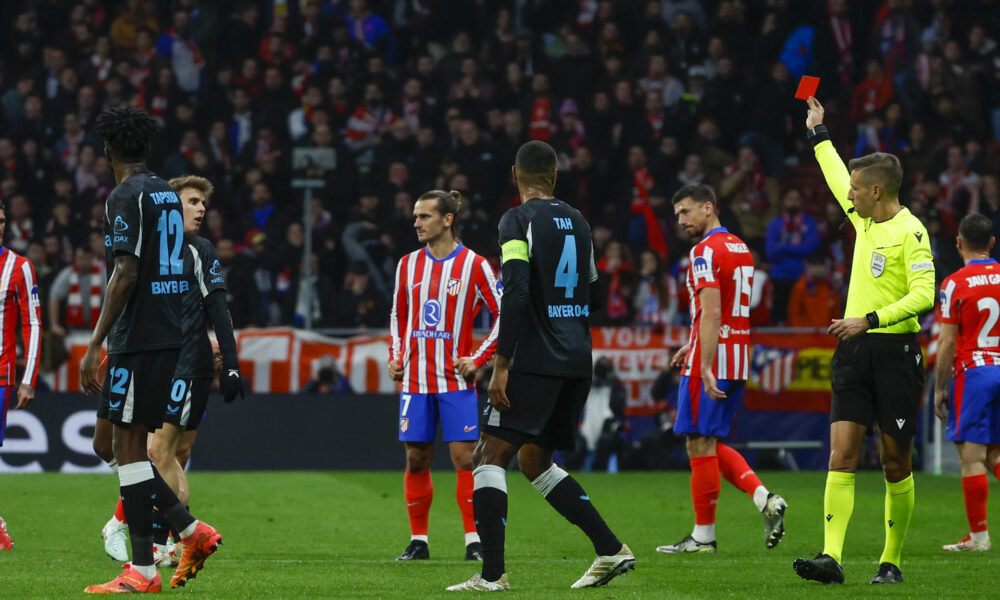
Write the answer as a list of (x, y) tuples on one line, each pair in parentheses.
[(419, 491), (705, 484), (120, 511), (463, 494), (736, 470), (976, 489), (996, 471)]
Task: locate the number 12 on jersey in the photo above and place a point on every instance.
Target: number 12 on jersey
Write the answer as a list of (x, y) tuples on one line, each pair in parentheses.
[(171, 230), (567, 275)]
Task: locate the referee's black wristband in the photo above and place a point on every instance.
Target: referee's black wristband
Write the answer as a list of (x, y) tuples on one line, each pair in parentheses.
[(817, 134), (872, 320)]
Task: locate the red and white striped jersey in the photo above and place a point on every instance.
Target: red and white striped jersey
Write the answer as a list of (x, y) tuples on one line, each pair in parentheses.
[(722, 261), (970, 298), (433, 307), (19, 299)]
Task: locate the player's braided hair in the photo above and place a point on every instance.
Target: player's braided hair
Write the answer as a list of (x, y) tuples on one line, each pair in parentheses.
[(446, 203), (127, 132)]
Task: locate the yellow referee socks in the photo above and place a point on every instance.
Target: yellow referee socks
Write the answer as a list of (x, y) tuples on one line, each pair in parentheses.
[(898, 509), (838, 504)]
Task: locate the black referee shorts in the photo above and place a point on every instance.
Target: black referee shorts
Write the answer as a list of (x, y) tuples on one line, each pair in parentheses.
[(879, 378), (544, 410)]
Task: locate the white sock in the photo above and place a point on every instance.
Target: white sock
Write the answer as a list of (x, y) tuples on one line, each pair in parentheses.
[(471, 537), (161, 548), (147, 571), (760, 497), (114, 522), (980, 536), (418, 538), (704, 533), (189, 529)]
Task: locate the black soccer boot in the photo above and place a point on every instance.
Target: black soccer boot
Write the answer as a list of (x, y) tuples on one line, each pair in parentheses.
[(823, 568), (474, 551), (887, 573), (417, 550)]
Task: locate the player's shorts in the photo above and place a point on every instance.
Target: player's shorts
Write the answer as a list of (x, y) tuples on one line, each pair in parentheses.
[(697, 413), (879, 378), (544, 410), (6, 398), (975, 406), (137, 387), (188, 401), (458, 413)]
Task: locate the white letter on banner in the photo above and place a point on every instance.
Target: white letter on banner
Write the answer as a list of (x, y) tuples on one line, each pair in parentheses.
[(37, 442), (376, 351), (81, 444), (263, 350)]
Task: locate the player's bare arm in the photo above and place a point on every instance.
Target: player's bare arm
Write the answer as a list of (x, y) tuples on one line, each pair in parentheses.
[(126, 273), (25, 394), (947, 341), (678, 359), (498, 383), (711, 323)]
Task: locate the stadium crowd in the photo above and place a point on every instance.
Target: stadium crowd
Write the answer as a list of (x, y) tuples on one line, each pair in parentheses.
[(638, 97)]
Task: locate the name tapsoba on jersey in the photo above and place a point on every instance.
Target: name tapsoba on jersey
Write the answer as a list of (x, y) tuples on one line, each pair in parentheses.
[(722, 261), (203, 271), (433, 308), (970, 298), (142, 217)]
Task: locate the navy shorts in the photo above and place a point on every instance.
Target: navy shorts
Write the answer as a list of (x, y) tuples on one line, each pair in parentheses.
[(137, 388), (188, 401)]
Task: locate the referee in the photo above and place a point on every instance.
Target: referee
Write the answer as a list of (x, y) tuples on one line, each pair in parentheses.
[(878, 374)]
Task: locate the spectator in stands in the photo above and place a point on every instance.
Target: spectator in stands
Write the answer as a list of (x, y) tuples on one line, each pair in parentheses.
[(791, 237), (359, 304), (815, 301), (328, 380), (761, 294), (655, 299), (752, 195), (76, 294), (315, 294)]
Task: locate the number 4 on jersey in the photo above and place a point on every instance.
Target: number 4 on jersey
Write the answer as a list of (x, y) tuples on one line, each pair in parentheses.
[(567, 275)]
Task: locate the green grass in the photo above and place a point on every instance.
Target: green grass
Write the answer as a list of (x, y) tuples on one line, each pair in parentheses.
[(312, 535)]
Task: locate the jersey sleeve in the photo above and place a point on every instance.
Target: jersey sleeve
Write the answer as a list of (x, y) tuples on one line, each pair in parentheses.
[(919, 265), (26, 288), (208, 269), (838, 179), (487, 287), (400, 306), (124, 213), (513, 237), (949, 310), (705, 268)]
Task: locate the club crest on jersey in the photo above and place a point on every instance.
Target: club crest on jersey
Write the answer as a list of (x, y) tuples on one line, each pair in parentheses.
[(454, 286), (404, 424), (432, 313), (878, 264)]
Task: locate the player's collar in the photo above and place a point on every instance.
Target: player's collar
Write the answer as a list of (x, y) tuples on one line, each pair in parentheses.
[(453, 254), (982, 261), (716, 230)]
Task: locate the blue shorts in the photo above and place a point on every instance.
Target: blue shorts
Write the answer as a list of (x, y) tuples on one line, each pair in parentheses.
[(975, 406), (697, 413), (457, 411), (6, 395)]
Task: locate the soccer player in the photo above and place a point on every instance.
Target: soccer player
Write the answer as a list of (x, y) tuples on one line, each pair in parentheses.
[(542, 371), (878, 372), (440, 289), (715, 364), (19, 293), (969, 347), (142, 321)]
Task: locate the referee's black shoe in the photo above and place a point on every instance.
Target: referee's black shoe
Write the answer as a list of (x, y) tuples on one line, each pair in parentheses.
[(887, 573), (474, 551), (823, 568), (417, 550)]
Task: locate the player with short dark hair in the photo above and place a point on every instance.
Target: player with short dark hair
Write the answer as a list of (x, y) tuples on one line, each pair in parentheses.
[(715, 364), (440, 289), (878, 372), (18, 301), (142, 321), (542, 371), (969, 349)]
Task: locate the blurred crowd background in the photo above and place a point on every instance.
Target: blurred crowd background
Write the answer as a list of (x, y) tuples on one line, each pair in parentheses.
[(637, 96)]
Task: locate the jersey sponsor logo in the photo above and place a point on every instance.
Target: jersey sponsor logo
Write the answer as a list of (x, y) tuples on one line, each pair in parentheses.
[(923, 266), (432, 312), (568, 310), (404, 424), (169, 287), (216, 268), (877, 264), (107, 241), (120, 225), (454, 286), (702, 268), (977, 280), (724, 332), (737, 248), (431, 334)]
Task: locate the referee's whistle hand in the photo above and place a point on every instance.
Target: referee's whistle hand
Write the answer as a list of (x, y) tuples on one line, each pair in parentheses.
[(498, 390), (845, 329)]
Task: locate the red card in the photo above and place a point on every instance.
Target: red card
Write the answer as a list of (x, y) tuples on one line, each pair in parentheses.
[(807, 87)]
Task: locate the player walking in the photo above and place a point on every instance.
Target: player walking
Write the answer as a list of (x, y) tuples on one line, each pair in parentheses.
[(715, 365), (19, 291), (878, 372), (969, 347), (142, 320), (542, 372), (439, 291)]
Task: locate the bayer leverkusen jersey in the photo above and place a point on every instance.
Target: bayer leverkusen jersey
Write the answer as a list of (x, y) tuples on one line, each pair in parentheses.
[(970, 298), (204, 274), (721, 260)]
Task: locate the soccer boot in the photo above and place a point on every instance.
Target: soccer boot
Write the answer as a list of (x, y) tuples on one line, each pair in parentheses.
[(168, 555), (474, 551), (887, 573), (198, 546), (774, 520), (478, 584), (967, 545), (115, 534), (417, 550), (129, 582), (5, 542), (823, 569), (688, 544), (606, 568)]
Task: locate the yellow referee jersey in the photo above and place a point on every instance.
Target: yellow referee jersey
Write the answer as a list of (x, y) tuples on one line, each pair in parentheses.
[(893, 270)]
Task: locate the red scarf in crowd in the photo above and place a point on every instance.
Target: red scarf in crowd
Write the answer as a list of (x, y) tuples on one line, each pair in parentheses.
[(74, 302), (642, 183), (541, 126)]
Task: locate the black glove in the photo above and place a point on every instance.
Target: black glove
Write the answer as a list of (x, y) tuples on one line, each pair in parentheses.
[(230, 384)]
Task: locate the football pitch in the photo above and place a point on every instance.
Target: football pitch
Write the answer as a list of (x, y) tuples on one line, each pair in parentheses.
[(335, 534)]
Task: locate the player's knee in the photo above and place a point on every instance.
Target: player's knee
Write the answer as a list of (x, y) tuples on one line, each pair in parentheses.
[(183, 456), (844, 462), (896, 468), (700, 446), (417, 460)]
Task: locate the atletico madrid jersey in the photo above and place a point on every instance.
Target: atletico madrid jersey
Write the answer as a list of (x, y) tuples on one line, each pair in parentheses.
[(433, 308), (721, 260), (970, 298)]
